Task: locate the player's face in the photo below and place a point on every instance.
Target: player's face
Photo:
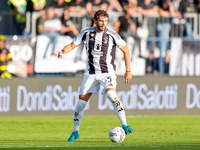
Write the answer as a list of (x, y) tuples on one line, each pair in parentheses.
[(101, 23)]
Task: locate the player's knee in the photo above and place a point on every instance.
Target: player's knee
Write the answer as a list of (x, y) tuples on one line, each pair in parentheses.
[(112, 96), (85, 97)]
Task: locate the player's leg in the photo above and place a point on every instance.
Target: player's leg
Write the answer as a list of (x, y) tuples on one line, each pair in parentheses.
[(109, 83), (117, 105), (79, 110), (88, 86), (78, 116), (118, 108)]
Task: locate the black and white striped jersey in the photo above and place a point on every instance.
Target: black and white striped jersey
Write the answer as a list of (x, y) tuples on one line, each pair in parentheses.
[(100, 49)]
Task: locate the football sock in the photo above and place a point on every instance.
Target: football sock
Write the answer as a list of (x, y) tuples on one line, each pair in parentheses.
[(78, 114), (117, 105)]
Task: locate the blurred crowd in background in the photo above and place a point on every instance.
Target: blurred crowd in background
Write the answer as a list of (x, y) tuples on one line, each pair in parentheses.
[(56, 17)]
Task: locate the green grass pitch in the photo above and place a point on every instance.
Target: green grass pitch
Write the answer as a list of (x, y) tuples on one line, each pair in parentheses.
[(52, 132)]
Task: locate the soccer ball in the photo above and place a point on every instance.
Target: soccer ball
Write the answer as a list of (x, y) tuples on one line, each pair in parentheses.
[(117, 134)]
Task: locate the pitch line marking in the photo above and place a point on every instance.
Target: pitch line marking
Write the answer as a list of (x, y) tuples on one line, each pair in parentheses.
[(156, 146)]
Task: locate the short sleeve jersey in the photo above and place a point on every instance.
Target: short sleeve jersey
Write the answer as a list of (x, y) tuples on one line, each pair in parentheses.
[(100, 49)]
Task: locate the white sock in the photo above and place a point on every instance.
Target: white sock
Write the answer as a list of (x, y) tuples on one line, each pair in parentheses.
[(117, 105), (78, 114)]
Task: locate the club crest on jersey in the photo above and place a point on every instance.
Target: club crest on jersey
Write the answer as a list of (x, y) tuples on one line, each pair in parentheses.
[(105, 40), (92, 34)]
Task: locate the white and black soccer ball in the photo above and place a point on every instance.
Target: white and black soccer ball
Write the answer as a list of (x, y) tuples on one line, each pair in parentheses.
[(117, 134)]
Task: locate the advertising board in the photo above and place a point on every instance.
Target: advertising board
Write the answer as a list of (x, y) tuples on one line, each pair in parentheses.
[(58, 96)]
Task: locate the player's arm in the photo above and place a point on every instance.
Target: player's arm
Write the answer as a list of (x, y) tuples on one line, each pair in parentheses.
[(128, 75), (66, 49)]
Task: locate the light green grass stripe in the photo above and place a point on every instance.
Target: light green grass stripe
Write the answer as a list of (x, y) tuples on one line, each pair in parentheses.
[(52, 132)]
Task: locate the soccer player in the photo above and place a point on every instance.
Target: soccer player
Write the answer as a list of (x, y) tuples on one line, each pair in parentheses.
[(101, 44)]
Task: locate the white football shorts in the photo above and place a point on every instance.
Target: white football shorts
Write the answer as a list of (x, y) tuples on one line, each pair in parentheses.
[(92, 83)]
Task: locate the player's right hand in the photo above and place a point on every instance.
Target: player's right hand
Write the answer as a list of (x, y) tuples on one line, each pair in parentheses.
[(60, 54)]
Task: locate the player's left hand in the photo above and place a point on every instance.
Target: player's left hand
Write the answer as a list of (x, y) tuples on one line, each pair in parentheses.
[(128, 77)]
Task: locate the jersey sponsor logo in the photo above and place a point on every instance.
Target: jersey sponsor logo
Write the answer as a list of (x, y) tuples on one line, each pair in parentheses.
[(97, 53), (97, 50)]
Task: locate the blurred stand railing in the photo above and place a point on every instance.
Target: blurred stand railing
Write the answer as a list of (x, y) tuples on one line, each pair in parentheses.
[(151, 40), (31, 23), (7, 23), (162, 29)]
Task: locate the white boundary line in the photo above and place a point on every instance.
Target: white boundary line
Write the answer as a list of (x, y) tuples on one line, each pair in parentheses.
[(142, 145)]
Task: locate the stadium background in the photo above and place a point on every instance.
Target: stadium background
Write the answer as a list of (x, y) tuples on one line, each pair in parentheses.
[(172, 92), (37, 103)]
